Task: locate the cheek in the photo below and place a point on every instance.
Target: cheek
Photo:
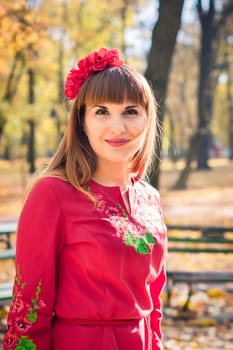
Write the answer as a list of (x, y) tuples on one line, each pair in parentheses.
[(92, 137), (139, 127), (88, 128)]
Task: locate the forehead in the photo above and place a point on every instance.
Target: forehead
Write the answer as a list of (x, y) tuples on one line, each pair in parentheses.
[(115, 86)]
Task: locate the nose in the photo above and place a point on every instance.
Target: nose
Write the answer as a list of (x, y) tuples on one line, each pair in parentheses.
[(117, 125)]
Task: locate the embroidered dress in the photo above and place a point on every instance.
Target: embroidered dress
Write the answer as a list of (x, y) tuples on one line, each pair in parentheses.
[(89, 275)]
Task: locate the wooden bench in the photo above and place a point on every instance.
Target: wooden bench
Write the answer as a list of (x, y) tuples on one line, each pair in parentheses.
[(6, 293), (7, 229), (206, 240), (209, 239), (193, 279), (6, 288), (6, 232), (7, 254)]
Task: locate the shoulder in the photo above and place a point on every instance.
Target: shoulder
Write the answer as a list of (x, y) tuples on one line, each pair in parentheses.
[(52, 195), (148, 194), (49, 184), (147, 188), (50, 189)]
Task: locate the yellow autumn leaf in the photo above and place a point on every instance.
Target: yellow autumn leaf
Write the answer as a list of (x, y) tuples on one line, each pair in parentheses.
[(203, 322), (216, 292)]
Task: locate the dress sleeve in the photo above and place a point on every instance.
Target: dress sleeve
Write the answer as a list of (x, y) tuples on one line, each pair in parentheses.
[(156, 314), (39, 244)]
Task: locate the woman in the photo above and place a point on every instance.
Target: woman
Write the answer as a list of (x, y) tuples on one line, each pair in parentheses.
[(91, 241)]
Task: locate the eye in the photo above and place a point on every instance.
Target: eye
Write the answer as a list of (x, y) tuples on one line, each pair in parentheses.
[(101, 111), (131, 111)]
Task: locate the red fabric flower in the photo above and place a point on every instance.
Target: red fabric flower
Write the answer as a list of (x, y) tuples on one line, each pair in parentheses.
[(95, 61), (19, 305), (22, 324), (10, 341)]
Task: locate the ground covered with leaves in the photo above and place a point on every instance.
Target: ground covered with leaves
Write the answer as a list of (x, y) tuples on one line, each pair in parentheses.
[(207, 201)]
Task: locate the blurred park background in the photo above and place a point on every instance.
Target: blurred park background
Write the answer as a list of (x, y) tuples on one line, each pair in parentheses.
[(184, 47)]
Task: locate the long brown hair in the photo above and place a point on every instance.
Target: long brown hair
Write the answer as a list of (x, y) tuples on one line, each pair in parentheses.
[(74, 160)]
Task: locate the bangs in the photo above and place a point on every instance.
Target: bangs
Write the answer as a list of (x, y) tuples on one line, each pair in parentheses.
[(115, 85)]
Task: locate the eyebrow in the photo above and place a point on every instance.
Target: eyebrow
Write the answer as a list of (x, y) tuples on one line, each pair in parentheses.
[(133, 106), (104, 107), (99, 106)]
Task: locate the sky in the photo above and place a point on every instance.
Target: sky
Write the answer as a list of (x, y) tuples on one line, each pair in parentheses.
[(139, 40)]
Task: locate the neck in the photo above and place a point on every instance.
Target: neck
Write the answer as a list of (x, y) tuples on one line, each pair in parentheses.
[(113, 176)]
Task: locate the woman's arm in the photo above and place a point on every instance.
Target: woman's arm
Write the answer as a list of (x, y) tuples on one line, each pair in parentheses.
[(156, 314), (39, 243)]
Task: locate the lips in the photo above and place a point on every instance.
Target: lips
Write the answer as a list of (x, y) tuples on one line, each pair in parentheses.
[(117, 142)]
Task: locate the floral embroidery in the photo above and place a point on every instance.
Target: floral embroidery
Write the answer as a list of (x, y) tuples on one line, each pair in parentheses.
[(134, 230), (153, 211), (136, 235), (21, 317), (140, 243)]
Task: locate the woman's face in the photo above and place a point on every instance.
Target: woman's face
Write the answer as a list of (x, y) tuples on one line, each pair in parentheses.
[(115, 131)]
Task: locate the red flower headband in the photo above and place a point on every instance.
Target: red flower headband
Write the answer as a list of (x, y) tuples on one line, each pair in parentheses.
[(95, 61)]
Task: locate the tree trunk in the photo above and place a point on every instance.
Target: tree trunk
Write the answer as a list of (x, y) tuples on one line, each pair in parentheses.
[(159, 61), (205, 89), (31, 146), (231, 135), (205, 98), (10, 91), (230, 108), (60, 76), (2, 123), (172, 152), (60, 71), (31, 123), (191, 154), (227, 12), (62, 40), (14, 76), (124, 9)]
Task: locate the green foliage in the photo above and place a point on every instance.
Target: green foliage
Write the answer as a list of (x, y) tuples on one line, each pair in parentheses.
[(32, 317), (149, 238), (130, 239), (141, 246), (48, 38), (25, 344), (139, 243)]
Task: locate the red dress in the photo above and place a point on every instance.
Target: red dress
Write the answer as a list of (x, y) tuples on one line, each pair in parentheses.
[(88, 274)]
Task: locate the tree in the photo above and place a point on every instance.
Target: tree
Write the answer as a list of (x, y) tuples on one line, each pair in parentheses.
[(224, 30), (230, 109), (31, 122), (199, 142), (201, 139), (160, 58), (182, 92), (206, 83), (59, 32), (20, 31)]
